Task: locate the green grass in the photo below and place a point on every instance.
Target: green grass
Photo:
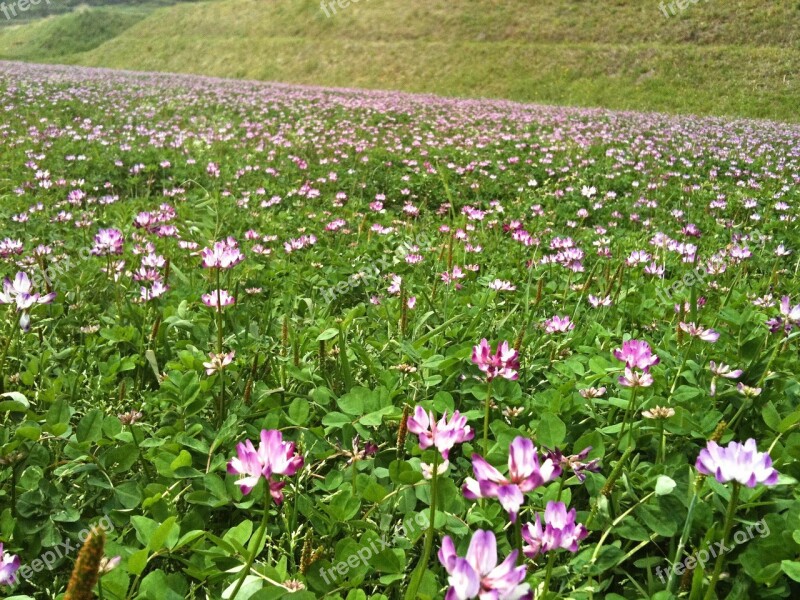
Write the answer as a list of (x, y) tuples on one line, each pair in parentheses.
[(738, 57)]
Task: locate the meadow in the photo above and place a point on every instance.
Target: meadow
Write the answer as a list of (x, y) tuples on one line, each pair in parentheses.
[(269, 341)]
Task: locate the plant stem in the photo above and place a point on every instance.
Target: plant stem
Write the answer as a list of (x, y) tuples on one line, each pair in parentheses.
[(726, 533), (416, 577), (550, 561), (698, 486), (259, 540), (628, 413), (486, 418)]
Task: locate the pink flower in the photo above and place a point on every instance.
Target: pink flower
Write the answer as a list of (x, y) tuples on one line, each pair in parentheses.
[(737, 462), (444, 435), (636, 354), (721, 370), (558, 324), (560, 531), (217, 362), (635, 379), (478, 575), (222, 255), (524, 475), (107, 241), (707, 335), (503, 363), (9, 564), (218, 299), (273, 457)]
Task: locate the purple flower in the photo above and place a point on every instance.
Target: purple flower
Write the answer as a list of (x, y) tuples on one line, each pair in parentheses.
[(9, 564), (107, 242), (636, 354), (222, 255), (737, 462), (635, 379), (560, 531), (503, 363), (478, 575), (444, 435), (790, 317), (217, 362), (218, 299), (721, 370), (20, 292), (707, 335), (558, 324), (273, 457), (524, 474), (575, 462)]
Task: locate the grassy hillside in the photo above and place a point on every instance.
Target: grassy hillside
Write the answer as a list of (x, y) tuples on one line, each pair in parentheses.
[(618, 53)]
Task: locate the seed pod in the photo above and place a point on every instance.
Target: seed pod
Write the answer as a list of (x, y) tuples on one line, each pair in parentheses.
[(402, 431)]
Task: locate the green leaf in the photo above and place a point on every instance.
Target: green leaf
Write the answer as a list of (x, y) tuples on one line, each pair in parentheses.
[(551, 431), (90, 428)]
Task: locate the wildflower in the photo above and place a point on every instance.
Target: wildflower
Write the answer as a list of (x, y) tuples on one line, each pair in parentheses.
[(636, 354), (443, 435), (217, 362), (222, 255), (737, 462), (560, 531), (273, 457), (130, 418), (107, 242), (747, 391), (575, 462), (658, 412), (478, 575), (790, 317), (502, 286), (20, 292), (707, 335), (635, 379), (109, 564), (524, 475), (503, 363), (596, 301), (218, 299), (592, 392), (9, 565), (721, 370), (558, 324)]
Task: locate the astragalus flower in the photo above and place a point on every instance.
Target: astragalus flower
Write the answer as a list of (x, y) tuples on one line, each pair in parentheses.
[(108, 242), (524, 475), (790, 317), (273, 457), (20, 293), (503, 363), (443, 434), (478, 575), (217, 362), (707, 335), (634, 379), (558, 324), (222, 255), (636, 354), (721, 370), (560, 531), (574, 462), (9, 565), (218, 299), (737, 462)]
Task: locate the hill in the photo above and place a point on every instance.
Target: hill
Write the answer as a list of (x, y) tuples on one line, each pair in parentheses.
[(624, 54)]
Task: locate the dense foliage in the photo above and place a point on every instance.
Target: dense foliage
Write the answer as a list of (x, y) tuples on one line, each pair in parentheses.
[(239, 320)]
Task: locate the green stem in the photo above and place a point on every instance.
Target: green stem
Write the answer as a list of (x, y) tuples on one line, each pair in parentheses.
[(686, 527), (726, 534), (259, 540), (550, 561), (628, 413), (416, 577), (486, 418)]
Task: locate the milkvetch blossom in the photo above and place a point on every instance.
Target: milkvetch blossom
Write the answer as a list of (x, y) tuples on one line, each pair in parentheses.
[(218, 299), (558, 324), (707, 335), (575, 462), (478, 575), (721, 370), (273, 457), (634, 379), (9, 565), (107, 242), (20, 293), (503, 363), (222, 255), (790, 317), (217, 362), (560, 531), (737, 462), (443, 434), (636, 354), (524, 475)]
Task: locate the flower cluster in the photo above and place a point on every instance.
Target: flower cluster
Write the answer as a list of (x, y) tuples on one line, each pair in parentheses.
[(273, 457), (503, 363)]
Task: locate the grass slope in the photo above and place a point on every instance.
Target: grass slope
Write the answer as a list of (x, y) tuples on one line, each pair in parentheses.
[(621, 53)]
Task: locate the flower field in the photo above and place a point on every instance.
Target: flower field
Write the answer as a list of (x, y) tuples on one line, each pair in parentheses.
[(263, 341)]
